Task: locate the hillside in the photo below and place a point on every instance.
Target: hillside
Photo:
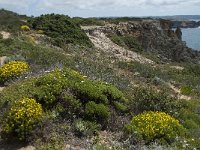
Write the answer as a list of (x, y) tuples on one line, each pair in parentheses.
[(11, 21), (75, 83)]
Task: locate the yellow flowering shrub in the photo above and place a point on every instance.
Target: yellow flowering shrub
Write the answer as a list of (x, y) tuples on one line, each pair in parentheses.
[(25, 28), (40, 31), (155, 125), (21, 117), (13, 69)]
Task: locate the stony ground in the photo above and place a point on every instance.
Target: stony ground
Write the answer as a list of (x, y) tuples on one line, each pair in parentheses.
[(101, 41)]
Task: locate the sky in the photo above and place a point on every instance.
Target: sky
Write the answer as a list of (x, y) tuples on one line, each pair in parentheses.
[(103, 8)]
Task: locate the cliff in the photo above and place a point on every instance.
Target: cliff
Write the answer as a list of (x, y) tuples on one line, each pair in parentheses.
[(154, 36), (185, 24)]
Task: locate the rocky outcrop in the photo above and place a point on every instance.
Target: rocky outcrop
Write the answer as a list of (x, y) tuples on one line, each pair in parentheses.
[(185, 24), (179, 33), (155, 36), (101, 41)]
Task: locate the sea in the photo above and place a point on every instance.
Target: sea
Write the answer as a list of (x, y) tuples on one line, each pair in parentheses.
[(192, 37)]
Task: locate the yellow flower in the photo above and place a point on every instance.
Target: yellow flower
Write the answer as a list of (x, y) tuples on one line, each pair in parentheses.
[(23, 113), (155, 124), (13, 69)]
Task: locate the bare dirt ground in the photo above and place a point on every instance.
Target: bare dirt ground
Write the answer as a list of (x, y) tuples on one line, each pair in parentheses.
[(101, 41), (178, 92), (1, 89), (2, 60), (5, 35)]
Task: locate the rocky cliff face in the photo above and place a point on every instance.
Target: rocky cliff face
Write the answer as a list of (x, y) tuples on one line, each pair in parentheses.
[(154, 36), (185, 24)]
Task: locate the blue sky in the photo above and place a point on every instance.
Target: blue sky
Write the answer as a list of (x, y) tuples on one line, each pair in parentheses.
[(103, 8)]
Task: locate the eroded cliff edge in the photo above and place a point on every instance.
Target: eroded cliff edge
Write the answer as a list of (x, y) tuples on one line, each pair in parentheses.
[(154, 36)]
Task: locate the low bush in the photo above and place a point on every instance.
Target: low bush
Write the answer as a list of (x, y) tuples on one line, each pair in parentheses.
[(25, 28), (13, 69), (191, 120), (186, 90), (147, 99), (86, 128), (99, 92), (21, 117), (49, 87), (62, 29), (98, 112), (69, 107), (71, 95), (127, 41), (155, 125)]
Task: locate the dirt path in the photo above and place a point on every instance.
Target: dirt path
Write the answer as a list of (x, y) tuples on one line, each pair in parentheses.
[(1, 88), (178, 91), (2, 60), (5, 35), (101, 41)]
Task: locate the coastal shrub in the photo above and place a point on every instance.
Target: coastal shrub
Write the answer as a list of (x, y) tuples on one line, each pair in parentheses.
[(39, 58), (186, 90), (99, 92), (155, 125), (21, 117), (127, 41), (40, 31), (1, 36), (49, 87), (147, 99), (25, 28), (89, 91), (62, 30), (11, 21), (98, 112), (13, 69), (68, 106), (86, 128), (191, 120)]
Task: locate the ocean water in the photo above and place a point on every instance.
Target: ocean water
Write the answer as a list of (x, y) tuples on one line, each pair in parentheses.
[(192, 37)]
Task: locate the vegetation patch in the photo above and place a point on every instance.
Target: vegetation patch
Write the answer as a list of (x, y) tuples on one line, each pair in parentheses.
[(21, 117), (127, 41), (155, 125), (62, 29), (13, 69)]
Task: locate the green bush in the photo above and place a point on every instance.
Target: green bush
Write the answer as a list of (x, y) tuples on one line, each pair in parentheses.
[(1, 36), (155, 125), (62, 29), (89, 91), (69, 106), (11, 21), (127, 41), (147, 99), (21, 117), (88, 21), (86, 128), (186, 90), (191, 120), (99, 92), (39, 58), (98, 112), (71, 95), (49, 87)]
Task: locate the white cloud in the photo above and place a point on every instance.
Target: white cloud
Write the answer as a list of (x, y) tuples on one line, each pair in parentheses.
[(101, 7)]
